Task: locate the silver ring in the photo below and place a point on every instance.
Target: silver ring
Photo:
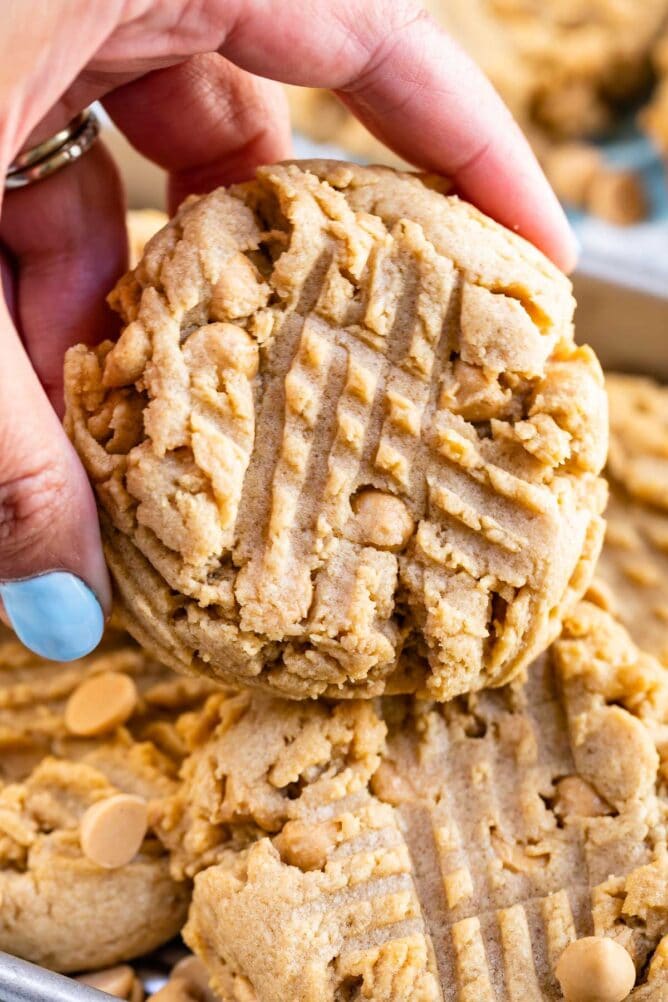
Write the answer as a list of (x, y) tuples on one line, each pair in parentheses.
[(55, 152)]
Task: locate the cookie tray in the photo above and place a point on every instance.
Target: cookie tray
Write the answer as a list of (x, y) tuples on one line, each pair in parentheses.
[(24, 982), (626, 326)]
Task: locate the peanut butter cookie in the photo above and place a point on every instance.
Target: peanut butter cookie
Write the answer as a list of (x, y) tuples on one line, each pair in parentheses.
[(85, 750), (345, 422), (408, 850)]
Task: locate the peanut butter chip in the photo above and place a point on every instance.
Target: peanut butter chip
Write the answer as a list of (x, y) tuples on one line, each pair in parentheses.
[(307, 845), (113, 830), (191, 970), (595, 969), (382, 519), (117, 981), (100, 704), (176, 990), (579, 799)]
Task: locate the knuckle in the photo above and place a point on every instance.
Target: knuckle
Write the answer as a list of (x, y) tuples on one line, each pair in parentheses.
[(30, 505), (378, 32)]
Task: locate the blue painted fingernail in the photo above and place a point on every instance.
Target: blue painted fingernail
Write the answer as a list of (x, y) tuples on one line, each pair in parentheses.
[(55, 615)]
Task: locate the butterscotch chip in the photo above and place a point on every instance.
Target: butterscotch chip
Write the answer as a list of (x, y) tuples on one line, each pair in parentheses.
[(192, 970), (307, 846), (575, 798), (177, 990), (618, 197), (383, 520), (595, 969), (113, 830), (344, 845), (346, 414), (118, 981), (571, 168), (100, 704)]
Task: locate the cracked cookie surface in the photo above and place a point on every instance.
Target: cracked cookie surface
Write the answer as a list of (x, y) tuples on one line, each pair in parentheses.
[(59, 908), (345, 441), (402, 849)]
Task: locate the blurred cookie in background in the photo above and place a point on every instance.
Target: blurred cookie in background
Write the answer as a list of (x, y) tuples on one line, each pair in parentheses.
[(569, 70), (654, 118), (632, 574)]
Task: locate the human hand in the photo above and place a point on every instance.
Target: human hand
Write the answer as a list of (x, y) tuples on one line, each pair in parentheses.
[(186, 82)]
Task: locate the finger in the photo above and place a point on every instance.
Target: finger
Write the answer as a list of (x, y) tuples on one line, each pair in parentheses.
[(53, 582), (68, 242), (205, 121), (406, 80), (414, 89)]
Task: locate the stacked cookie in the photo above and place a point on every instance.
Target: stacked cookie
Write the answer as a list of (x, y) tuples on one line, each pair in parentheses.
[(346, 448), (413, 850)]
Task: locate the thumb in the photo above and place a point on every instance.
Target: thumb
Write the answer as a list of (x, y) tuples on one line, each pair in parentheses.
[(53, 581)]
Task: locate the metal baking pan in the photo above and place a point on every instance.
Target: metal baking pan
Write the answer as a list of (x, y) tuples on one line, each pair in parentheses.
[(21, 981), (626, 326)]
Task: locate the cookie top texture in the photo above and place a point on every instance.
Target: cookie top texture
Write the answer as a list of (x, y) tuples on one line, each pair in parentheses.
[(60, 907), (413, 850), (345, 443)]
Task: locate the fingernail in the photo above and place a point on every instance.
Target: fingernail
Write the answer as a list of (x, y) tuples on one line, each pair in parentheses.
[(56, 615)]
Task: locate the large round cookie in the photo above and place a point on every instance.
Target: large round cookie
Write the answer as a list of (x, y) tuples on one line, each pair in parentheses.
[(59, 907), (345, 423), (404, 850)]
